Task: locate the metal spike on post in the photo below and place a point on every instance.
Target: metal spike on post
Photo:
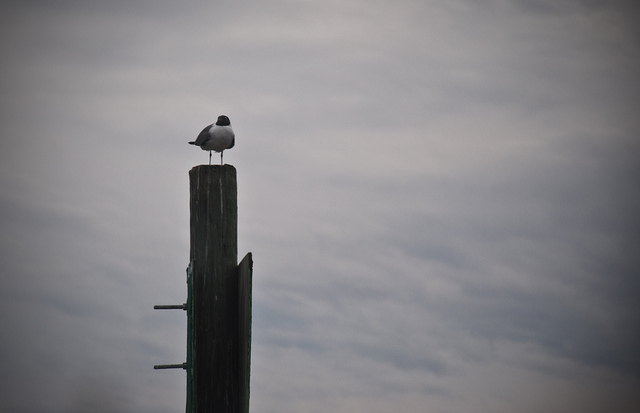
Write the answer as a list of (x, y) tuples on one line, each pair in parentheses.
[(171, 307), (170, 366)]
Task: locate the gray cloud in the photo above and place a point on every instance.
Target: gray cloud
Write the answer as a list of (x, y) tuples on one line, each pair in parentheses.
[(441, 201)]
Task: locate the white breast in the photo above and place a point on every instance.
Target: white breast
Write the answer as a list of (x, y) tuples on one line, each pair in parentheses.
[(220, 138)]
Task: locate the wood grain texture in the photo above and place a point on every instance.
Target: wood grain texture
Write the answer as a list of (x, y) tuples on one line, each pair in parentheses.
[(214, 252)]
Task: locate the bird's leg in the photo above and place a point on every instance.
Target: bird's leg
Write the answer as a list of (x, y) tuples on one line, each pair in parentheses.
[(221, 157), (209, 157)]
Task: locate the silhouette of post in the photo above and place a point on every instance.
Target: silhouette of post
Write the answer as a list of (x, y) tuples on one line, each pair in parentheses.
[(221, 345)]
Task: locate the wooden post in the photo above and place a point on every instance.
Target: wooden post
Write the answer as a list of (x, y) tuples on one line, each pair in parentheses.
[(214, 254), (218, 298), (245, 281)]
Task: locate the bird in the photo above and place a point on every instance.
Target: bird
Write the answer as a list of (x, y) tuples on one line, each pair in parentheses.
[(216, 137)]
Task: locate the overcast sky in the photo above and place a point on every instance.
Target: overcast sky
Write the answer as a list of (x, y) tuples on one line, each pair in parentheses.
[(442, 200)]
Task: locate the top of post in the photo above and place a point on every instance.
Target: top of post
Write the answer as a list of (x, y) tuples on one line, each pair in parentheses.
[(226, 171), (214, 168)]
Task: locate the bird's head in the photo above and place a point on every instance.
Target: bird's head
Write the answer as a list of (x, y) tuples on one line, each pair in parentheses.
[(223, 120)]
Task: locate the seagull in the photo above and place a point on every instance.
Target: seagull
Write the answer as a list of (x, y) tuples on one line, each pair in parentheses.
[(216, 137)]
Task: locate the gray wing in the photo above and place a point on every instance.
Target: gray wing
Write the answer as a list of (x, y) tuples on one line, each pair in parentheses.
[(203, 136)]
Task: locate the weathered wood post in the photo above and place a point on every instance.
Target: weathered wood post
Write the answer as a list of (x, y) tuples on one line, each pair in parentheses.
[(218, 298), (218, 357)]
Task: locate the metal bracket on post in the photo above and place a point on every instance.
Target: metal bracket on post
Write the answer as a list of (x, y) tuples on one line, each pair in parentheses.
[(170, 307), (188, 365), (190, 341)]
